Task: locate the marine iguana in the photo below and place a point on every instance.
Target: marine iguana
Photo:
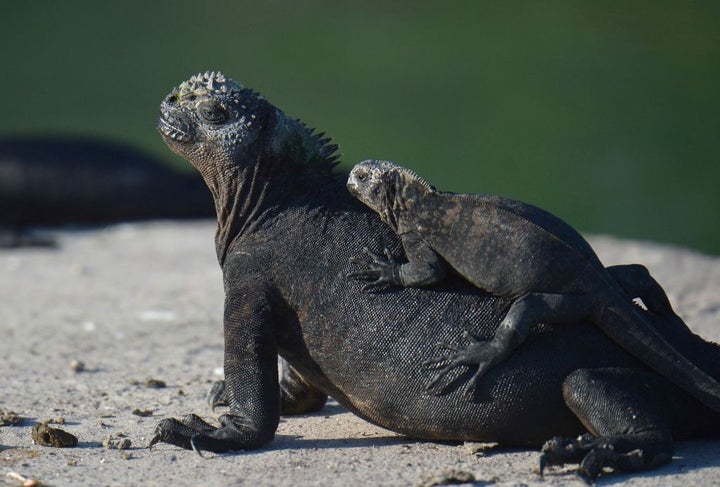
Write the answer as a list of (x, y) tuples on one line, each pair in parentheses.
[(286, 229), (57, 180), (517, 251)]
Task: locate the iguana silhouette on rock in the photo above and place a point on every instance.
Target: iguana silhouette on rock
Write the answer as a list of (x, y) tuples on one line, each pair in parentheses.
[(520, 252), (52, 181), (287, 228)]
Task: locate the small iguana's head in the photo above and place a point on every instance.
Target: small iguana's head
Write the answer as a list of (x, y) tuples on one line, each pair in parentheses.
[(212, 121), (387, 188)]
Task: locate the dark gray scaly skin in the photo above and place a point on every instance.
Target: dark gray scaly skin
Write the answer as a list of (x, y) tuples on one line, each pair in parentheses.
[(520, 252), (286, 230), (53, 180)]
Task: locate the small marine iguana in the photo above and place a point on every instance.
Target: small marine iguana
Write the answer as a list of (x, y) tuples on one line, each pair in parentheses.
[(286, 230), (517, 251)]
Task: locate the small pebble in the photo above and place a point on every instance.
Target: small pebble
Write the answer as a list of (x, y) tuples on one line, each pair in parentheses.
[(77, 366), (155, 384), (446, 477), (9, 418), (44, 435)]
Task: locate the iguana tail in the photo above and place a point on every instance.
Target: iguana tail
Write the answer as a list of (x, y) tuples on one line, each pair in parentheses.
[(621, 324)]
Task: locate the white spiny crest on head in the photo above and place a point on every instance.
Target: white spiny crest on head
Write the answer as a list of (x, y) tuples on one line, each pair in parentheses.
[(383, 167), (209, 82)]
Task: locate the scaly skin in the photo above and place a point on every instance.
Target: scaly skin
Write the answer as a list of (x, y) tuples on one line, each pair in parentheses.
[(286, 230)]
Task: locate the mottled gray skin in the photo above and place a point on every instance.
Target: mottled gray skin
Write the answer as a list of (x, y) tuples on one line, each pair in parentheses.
[(287, 228), (520, 252)]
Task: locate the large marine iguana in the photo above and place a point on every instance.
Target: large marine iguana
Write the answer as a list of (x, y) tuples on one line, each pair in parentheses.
[(520, 252), (286, 229), (48, 180)]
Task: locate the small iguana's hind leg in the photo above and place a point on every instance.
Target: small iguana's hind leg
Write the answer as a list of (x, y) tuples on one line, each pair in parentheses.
[(526, 311), (637, 282), (628, 423), (297, 396)]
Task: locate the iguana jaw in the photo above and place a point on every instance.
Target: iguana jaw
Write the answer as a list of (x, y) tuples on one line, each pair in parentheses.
[(175, 129)]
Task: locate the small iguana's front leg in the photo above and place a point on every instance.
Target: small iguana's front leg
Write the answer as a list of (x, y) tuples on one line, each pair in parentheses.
[(423, 268), (251, 384), (379, 271)]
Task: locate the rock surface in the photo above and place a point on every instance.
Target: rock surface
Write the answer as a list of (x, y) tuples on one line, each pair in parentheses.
[(141, 304)]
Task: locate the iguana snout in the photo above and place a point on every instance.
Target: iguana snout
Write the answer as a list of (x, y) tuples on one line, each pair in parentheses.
[(174, 126)]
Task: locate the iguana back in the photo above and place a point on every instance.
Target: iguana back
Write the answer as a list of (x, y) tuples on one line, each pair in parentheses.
[(504, 246)]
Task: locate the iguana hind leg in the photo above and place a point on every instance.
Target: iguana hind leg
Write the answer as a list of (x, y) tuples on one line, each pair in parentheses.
[(637, 282), (297, 396), (525, 312), (629, 425)]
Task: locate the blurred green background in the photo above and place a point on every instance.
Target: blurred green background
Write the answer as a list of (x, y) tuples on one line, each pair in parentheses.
[(605, 113)]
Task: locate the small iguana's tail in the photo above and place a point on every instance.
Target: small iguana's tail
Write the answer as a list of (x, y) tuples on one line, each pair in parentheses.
[(627, 325)]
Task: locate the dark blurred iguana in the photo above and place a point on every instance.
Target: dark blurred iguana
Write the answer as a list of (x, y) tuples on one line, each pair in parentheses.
[(286, 230), (519, 252), (59, 180)]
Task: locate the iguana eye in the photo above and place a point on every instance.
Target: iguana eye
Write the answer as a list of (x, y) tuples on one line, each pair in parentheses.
[(212, 112)]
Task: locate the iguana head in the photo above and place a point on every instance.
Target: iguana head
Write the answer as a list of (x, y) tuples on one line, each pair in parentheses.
[(216, 123), (386, 187), (245, 149), (212, 120)]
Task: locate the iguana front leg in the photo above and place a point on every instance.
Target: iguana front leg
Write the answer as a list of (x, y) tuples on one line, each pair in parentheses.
[(423, 268), (251, 383)]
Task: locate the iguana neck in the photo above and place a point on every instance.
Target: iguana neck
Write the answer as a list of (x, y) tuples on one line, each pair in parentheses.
[(239, 196), (293, 166), (411, 193)]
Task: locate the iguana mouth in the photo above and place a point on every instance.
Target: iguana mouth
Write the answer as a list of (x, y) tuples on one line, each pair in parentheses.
[(176, 129)]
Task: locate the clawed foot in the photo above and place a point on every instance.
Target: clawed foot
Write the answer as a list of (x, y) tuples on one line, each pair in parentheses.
[(192, 433), (382, 271), (482, 354), (592, 454)]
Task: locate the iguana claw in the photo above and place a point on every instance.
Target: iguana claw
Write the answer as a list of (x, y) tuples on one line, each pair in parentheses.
[(383, 271), (480, 353), (593, 454), (154, 440)]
